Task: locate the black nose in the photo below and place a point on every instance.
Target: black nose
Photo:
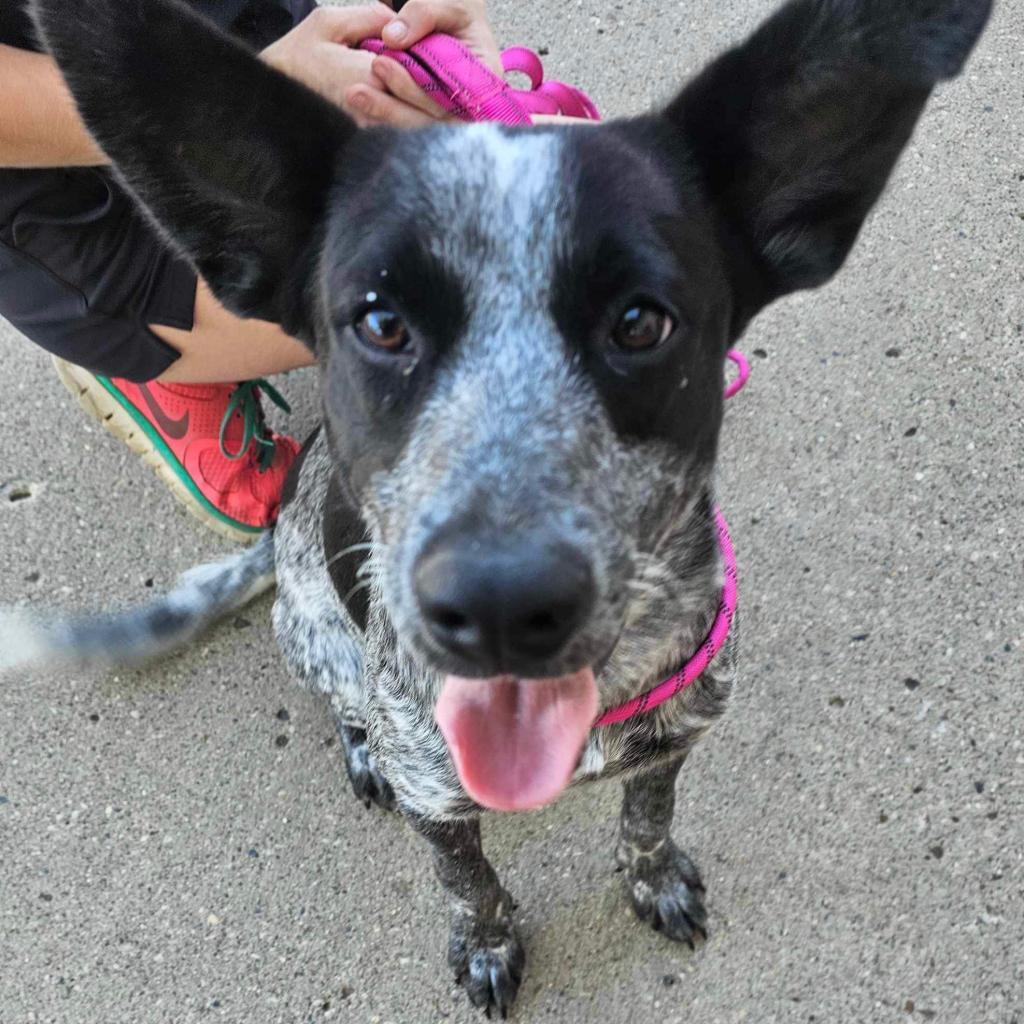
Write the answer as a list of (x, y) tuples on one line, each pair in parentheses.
[(503, 607)]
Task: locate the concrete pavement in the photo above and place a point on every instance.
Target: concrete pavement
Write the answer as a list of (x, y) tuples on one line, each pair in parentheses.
[(180, 845)]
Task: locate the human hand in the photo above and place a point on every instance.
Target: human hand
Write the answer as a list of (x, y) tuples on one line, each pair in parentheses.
[(466, 20), (397, 100), (320, 51)]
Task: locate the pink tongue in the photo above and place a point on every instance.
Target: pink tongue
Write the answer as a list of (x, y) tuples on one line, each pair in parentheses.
[(516, 742)]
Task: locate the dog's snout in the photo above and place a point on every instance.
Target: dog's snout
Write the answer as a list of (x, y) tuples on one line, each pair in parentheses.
[(506, 606)]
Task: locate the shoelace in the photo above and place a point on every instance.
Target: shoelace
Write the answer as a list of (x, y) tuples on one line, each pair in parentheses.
[(245, 399)]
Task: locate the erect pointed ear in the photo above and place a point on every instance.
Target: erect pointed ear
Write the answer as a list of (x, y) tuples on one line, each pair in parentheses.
[(797, 131), (233, 160)]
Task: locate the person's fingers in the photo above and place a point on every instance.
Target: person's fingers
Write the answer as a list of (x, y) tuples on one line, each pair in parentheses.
[(402, 86), (464, 19), (415, 22), (372, 107), (350, 24), (421, 17)]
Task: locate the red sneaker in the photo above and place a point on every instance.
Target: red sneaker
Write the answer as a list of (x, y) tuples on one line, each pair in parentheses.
[(207, 442)]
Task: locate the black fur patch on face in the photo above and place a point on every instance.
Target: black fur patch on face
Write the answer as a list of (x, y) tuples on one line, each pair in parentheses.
[(377, 256), (642, 236), (291, 482)]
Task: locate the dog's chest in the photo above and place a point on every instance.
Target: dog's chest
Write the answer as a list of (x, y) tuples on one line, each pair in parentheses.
[(317, 635)]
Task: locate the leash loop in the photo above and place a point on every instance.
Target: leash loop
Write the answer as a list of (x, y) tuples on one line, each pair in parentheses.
[(743, 368)]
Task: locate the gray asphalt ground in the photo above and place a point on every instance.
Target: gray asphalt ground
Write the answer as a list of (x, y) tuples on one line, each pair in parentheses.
[(180, 845)]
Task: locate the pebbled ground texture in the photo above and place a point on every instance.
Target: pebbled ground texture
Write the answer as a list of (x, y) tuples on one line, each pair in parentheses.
[(182, 845)]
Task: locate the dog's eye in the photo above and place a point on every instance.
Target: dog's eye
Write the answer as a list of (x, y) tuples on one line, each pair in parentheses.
[(643, 327), (383, 329)]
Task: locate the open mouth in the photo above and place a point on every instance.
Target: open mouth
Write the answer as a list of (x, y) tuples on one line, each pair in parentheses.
[(516, 742)]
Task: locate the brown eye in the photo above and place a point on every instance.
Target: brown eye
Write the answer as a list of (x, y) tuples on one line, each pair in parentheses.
[(643, 327), (383, 329)]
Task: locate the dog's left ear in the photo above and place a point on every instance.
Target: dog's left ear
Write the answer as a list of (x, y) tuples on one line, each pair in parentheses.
[(234, 161), (797, 131)]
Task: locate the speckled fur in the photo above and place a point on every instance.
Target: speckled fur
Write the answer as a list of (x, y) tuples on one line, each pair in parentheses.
[(317, 636), (511, 256), (486, 419)]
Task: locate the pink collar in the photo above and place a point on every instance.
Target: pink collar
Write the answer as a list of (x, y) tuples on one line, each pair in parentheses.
[(715, 640), (707, 651)]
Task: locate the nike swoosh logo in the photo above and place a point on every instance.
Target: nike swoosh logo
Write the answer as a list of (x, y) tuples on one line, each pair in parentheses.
[(174, 429)]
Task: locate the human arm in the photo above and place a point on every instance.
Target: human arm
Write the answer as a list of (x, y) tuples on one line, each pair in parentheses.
[(39, 123)]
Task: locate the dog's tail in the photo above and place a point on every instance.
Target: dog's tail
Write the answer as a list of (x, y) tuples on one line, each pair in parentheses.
[(202, 596)]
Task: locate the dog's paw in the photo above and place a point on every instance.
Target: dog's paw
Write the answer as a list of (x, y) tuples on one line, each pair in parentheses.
[(666, 891), (488, 960), (368, 784)]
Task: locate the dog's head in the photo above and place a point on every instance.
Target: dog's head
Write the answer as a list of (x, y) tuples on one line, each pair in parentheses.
[(521, 332)]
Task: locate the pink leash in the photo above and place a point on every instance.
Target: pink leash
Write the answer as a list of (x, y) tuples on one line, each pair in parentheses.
[(458, 82), (453, 77)]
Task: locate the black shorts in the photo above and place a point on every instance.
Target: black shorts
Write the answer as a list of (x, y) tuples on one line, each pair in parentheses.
[(83, 274)]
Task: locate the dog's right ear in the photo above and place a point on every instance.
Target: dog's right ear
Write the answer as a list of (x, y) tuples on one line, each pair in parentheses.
[(233, 160), (796, 132)]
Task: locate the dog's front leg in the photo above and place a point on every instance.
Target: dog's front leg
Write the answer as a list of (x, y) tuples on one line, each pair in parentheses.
[(484, 949), (368, 784), (663, 883)]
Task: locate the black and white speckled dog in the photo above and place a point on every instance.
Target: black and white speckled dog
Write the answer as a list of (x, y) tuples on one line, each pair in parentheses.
[(521, 336)]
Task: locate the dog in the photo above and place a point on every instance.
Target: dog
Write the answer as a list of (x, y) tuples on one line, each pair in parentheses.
[(506, 523)]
